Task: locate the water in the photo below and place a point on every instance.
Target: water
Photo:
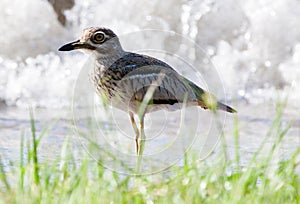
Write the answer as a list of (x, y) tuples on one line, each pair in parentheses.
[(245, 52)]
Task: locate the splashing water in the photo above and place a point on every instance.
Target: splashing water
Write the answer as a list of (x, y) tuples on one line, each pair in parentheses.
[(254, 45)]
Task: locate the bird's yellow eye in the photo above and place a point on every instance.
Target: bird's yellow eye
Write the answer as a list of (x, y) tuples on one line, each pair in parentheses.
[(98, 37)]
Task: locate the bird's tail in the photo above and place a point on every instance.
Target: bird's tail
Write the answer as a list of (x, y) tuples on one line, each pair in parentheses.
[(209, 101), (222, 106), (218, 105)]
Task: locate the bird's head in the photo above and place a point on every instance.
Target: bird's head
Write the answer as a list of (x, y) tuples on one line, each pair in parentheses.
[(99, 40)]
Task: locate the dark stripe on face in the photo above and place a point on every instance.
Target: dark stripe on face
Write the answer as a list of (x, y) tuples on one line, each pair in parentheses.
[(107, 32)]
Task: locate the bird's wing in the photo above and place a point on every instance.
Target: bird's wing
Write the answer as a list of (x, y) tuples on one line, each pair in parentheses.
[(135, 73), (131, 61)]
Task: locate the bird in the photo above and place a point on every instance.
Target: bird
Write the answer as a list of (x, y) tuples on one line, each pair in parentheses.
[(138, 84)]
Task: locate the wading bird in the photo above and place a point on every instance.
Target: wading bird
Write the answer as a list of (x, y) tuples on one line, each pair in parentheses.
[(137, 83)]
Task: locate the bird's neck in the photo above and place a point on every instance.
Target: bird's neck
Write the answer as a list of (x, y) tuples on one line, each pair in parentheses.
[(103, 62), (109, 58)]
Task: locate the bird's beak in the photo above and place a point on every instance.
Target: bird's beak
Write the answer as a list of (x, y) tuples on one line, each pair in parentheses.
[(76, 45)]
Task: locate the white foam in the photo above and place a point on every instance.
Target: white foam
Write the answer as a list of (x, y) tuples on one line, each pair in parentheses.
[(254, 45)]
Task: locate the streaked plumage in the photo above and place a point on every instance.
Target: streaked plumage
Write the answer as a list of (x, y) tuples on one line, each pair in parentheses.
[(125, 77)]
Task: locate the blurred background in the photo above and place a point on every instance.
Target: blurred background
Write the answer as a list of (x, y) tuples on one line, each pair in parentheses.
[(254, 45)]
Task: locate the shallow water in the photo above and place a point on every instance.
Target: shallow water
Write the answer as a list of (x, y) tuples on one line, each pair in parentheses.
[(116, 136)]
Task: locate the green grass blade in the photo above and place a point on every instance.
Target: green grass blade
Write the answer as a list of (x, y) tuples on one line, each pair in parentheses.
[(34, 146)]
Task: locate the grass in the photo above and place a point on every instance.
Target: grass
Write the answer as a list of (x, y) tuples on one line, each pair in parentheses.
[(68, 180)]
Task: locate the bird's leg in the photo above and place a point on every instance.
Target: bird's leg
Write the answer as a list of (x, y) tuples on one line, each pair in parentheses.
[(136, 131), (141, 146), (143, 137)]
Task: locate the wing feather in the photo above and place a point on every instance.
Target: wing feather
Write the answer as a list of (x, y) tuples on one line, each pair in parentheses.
[(135, 73)]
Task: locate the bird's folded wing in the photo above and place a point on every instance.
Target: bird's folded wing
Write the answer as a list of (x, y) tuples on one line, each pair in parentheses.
[(135, 73)]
